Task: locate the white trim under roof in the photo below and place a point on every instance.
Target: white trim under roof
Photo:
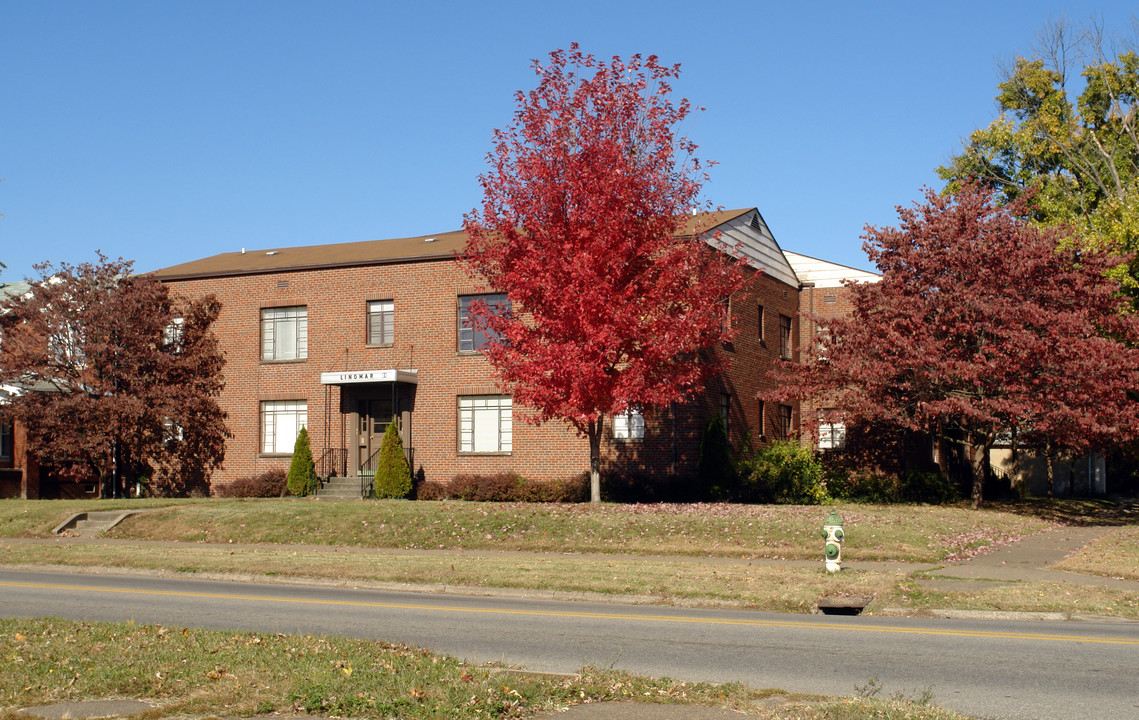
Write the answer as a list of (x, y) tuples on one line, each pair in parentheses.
[(825, 274)]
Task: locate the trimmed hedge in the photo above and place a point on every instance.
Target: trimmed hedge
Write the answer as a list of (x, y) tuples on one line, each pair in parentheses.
[(504, 487), (271, 483)]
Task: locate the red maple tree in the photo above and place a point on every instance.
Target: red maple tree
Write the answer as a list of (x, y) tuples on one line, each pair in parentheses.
[(117, 381), (587, 226), (981, 325)]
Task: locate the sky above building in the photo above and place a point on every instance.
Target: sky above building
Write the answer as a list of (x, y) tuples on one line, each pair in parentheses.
[(164, 132)]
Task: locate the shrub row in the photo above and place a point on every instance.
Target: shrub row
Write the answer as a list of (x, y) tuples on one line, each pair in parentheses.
[(504, 487), (271, 483)]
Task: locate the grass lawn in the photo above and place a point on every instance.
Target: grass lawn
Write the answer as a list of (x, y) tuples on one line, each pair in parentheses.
[(765, 557), (759, 556), (910, 533), (187, 672)]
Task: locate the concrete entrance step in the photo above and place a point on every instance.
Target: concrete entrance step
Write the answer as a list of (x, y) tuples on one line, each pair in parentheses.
[(93, 522), (340, 488)]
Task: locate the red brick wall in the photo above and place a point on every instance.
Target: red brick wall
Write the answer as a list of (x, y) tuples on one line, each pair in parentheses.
[(824, 303), (20, 472), (425, 296), (671, 445)]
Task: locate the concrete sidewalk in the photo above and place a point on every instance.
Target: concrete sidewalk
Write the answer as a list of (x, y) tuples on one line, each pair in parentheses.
[(1025, 561), (1029, 560)]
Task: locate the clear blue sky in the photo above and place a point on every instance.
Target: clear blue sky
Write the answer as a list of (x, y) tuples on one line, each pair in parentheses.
[(167, 131)]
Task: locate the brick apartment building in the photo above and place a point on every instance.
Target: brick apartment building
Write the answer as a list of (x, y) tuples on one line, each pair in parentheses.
[(823, 295), (342, 338)]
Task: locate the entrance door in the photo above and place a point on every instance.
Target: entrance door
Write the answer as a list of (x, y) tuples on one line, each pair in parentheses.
[(375, 416)]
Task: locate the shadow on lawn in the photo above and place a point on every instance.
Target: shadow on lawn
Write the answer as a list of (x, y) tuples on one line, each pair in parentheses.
[(1076, 511)]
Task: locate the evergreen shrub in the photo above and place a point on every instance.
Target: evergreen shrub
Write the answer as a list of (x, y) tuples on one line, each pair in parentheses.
[(715, 470), (302, 470), (393, 475)]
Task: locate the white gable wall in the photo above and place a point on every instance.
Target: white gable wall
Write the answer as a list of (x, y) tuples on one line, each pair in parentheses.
[(825, 274), (757, 246)]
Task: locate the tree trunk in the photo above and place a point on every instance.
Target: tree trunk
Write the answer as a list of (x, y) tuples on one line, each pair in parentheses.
[(942, 451), (1048, 464), (595, 460), (979, 466)]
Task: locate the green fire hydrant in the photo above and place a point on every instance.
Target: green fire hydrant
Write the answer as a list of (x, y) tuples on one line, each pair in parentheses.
[(832, 533)]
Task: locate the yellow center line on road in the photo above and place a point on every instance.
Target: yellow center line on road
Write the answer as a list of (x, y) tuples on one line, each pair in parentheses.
[(591, 615)]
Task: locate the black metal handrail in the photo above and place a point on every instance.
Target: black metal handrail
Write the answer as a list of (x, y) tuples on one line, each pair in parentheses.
[(367, 470), (333, 463)]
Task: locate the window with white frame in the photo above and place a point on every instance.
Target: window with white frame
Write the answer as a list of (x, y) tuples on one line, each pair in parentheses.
[(381, 322), (486, 424), (832, 431), (5, 440), (284, 333), (65, 345), (172, 334), (472, 338), (629, 425), (281, 422), (171, 430), (762, 332)]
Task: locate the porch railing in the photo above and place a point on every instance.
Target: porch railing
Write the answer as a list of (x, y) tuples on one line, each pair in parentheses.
[(333, 463), (368, 470)]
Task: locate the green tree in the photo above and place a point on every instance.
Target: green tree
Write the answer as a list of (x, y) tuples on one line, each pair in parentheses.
[(784, 472), (393, 475), (715, 471), (1079, 155), (302, 470)]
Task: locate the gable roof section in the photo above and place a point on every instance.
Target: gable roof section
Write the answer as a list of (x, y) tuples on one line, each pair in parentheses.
[(747, 230), (735, 226), (826, 274), (12, 289)]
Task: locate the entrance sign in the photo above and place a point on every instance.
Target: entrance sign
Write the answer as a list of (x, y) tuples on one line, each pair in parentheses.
[(355, 377)]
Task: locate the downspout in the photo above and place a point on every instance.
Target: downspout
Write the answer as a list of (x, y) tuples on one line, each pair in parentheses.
[(810, 287)]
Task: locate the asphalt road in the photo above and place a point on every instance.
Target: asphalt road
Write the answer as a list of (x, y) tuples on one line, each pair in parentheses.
[(1002, 669)]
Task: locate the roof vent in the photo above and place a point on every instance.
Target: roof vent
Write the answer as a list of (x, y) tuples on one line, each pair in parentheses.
[(429, 240), (755, 223), (271, 252)]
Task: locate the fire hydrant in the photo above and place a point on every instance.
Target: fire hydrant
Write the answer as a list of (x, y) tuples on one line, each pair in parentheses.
[(832, 533)]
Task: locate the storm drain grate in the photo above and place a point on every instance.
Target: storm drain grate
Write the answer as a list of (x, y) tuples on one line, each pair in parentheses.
[(853, 605)]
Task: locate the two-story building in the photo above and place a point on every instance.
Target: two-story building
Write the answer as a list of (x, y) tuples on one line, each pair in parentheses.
[(342, 338)]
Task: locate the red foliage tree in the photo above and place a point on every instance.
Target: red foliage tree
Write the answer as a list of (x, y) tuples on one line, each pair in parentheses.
[(981, 325), (118, 382), (586, 226)]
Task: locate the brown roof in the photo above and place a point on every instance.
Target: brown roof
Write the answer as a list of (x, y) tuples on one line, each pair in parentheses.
[(369, 252)]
